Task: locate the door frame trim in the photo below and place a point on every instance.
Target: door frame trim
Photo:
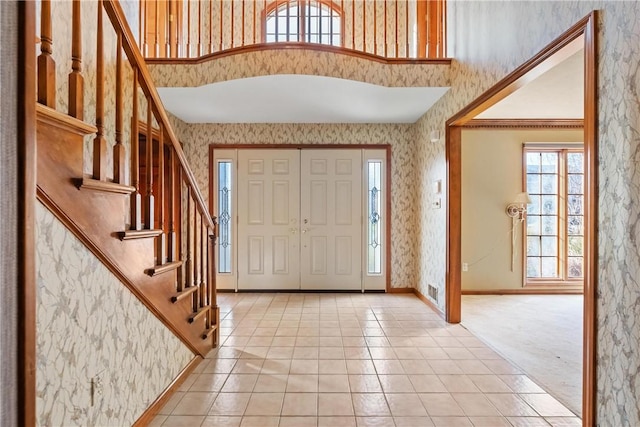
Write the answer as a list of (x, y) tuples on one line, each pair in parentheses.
[(386, 147), (586, 27)]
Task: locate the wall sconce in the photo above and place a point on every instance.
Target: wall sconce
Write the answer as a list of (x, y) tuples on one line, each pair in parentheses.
[(518, 208), (434, 136), (517, 211)]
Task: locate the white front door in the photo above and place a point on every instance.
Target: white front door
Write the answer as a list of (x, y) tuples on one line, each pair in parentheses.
[(331, 219), (268, 219)]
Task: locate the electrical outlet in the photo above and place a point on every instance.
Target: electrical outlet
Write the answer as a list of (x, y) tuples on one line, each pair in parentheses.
[(465, 266)]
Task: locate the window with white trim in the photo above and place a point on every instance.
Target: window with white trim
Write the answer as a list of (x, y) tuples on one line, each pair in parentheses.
[(555, 217), (309, 21)]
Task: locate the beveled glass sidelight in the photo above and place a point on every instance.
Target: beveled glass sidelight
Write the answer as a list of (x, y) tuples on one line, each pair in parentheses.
[(224, 217), (374, 235)]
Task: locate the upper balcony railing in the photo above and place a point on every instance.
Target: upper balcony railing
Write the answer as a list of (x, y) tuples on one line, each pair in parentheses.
[(392, 29)]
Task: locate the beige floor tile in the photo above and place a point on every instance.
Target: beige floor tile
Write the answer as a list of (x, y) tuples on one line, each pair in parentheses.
[(332, 366), (382, 353), (208, 382), (459, 353), (158, 420), (520, 384), (276, 366), (186, 385), (433, 353), (306, 341), (375, 422), (427, 384), (357, 341), (489, 384), (268, 404), (405, 405), (445, 367), (388, 367), (280, 352), (221, 421), (511, 405), (546, 405), (424, 342), (564, 421), (333, 383), (528, 422), (336, 421), (451, 421), (219, 366), (489, 422), (501, 367), (305, 352), (255, 421), (485, 353), (271, 383), (475, 404), (230, 404), (335, 404), (331, 353), (331, 342), (396, 384), (256, 351), (248, 366), (377, 342), (405, 353), (284, 341), (447, 342), (194, 403), (458, 384), (171, 403), (441, 405), (364, 384), (362, 367), (304, 366), (298, 421), (370, 404), (237, 383), (357, 353), (475, 367), (413, 421), (300, 404), (299, 383), (183, 421)]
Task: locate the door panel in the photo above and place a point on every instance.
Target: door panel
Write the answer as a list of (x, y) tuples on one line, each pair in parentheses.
[(331, 205), (268, 212)]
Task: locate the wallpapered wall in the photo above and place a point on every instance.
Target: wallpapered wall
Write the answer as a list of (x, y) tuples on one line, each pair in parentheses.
[(490, 39), (91, 326), (197, 137)]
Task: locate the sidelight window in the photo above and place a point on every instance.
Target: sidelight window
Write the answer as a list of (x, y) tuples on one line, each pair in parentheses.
[(224, 216)]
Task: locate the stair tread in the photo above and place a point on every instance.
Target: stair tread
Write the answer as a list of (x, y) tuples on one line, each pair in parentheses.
[(201, 311), (163, 268), (183, 293), (106, 186), (138, 234)]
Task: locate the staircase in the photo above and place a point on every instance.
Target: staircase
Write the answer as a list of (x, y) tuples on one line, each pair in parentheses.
[(148, 222)]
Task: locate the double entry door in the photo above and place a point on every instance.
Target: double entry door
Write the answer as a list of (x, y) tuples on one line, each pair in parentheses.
[(300, 219)]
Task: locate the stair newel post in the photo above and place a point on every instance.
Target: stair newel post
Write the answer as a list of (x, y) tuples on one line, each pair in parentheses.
[(149, 203), (46, 64), (136, 198), (100, 142), (161, 242), (119, 151), (212, 291), (172, 244), (76, 80)]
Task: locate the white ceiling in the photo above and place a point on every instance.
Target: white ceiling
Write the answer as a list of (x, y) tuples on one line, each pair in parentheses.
[(556, 94), (299, 99)]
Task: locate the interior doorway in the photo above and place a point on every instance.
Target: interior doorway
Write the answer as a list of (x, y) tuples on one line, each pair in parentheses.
[(585, 32)]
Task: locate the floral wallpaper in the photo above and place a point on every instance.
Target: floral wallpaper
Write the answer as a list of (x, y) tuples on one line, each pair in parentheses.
[(485, 53), (91, 327), (198, 137)]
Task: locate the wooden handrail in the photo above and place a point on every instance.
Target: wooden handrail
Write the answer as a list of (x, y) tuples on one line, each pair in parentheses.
[(119, 22), (378, 27)]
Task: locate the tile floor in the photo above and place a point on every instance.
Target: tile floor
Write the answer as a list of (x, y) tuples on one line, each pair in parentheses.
[(338, 359)]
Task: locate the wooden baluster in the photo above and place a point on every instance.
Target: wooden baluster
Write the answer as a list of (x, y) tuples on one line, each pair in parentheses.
[(255, 21), (364, 26), (353, 24), (196, 258), (203, 293), (136, 198), (243, 13), (76, 81), (386, 42), (213, 298), (172, 207), (119, 152), (167, 29), (406, 28), (181, 276), (233, 22), (188, 260), (221, 3), (46, 64), (188, 28), (142, 21), (397, 23), (149, 205), (199, 28), (173, 34), (156, 28), (421, 18), (375, 27), (210, 50), (161, 242), (100, 142)]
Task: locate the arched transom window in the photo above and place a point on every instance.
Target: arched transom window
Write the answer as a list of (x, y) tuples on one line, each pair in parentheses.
[(308, 21)]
